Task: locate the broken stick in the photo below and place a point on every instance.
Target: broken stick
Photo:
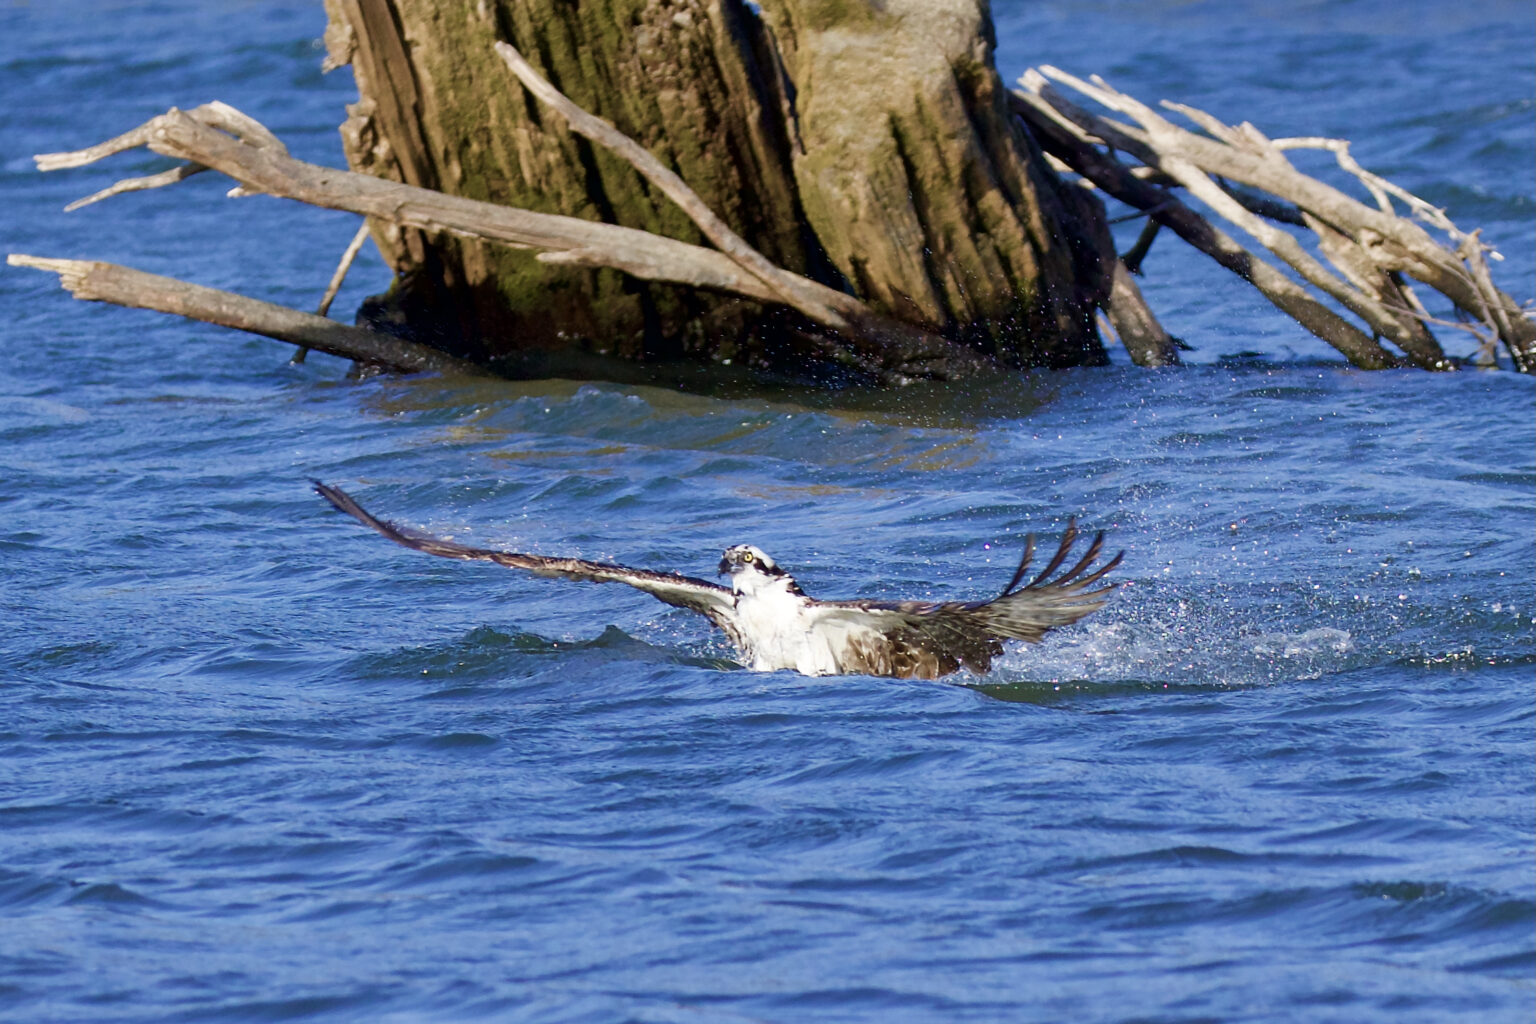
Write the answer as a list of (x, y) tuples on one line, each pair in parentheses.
[(94, 281)]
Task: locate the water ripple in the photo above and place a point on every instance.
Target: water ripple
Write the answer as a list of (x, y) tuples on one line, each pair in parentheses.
[(261, 765)]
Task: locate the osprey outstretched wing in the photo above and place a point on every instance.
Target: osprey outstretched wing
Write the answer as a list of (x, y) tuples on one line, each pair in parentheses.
[(774, 625), (930, 639), (708, 599)]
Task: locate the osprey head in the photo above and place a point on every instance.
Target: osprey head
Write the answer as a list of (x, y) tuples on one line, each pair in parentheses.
[(748, 562)]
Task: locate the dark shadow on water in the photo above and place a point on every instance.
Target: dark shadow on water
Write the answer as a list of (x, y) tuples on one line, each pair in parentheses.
[(486, 654), (685, 387), (1066, 691)]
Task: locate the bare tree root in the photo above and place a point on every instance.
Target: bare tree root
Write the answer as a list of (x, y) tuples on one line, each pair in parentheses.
[(1243, 176)]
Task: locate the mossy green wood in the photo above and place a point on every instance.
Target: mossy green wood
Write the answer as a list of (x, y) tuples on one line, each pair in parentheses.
[(438, 108), (923, 188), (876, 134)]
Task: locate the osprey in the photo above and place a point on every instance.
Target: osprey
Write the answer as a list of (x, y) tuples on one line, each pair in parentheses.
[(774, 625)]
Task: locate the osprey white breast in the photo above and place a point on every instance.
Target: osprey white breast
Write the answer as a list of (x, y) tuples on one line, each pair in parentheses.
[(777, 622)]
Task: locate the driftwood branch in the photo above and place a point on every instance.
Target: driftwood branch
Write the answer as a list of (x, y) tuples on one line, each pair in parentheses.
[(93, 281), (1162, 145), (1133, 257), (218, 137), (181, 172), (342, 266), (1125, 311), (1371, 248), (1060, 134), (1143, 337), (337, 278), (201, 136)]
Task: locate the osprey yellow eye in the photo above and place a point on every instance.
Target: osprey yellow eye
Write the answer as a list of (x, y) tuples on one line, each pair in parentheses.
[(746, 556)]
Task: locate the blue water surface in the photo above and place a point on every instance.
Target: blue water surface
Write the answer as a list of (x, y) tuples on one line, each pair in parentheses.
[(257, 764)]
